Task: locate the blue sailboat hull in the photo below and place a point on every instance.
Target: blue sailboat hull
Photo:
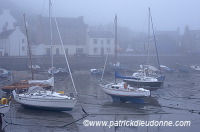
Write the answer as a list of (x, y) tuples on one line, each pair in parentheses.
[(135, 82), (146, 85), (125, 99)]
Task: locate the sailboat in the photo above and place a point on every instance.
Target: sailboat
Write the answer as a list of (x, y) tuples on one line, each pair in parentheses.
[(147, 77), (195, 67), (4, 73), (38, 98), (58, 71), (122, 91)]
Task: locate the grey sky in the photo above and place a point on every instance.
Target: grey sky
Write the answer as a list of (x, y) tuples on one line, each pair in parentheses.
[(167, 14)]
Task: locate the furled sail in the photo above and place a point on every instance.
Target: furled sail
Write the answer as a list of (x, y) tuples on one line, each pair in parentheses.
[(46, 82)]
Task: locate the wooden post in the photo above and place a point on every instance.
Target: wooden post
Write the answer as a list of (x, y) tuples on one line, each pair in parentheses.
[(0, 121)]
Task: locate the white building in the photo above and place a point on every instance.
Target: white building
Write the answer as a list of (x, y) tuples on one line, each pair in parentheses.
[(13, 43), (43, 49), (38, 49), (100, 43)]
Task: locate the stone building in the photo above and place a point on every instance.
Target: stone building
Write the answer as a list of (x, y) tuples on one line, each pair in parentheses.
[(190, 41), (73, 33)]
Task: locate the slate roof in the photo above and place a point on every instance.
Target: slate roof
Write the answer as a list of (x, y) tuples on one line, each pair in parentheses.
[(67, 22), (6, 33), (194, 32)]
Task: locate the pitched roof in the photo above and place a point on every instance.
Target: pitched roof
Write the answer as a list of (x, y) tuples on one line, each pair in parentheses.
[(67, 22), (100, 34), (6, 33), (194, 31)]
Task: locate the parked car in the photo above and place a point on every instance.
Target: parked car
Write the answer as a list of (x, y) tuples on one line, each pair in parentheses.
[(80, 54)]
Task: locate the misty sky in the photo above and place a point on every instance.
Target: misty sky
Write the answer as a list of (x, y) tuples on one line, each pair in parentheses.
[(167, 14)]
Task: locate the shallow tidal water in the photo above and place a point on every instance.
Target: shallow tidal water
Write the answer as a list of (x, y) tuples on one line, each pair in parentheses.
[(178, 100)]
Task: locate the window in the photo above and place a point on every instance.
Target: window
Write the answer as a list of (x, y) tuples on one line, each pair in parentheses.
[(23, 48), (101, 41), (95, 50), (108, 41), (108, 50), (22, 40), (95, 41), (48, 51)]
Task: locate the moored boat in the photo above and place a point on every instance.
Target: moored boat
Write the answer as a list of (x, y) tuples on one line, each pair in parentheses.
[(38, 98), (123, 92), (23, 85), (4, 73)]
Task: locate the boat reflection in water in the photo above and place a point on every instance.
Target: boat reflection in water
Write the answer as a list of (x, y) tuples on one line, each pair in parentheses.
[(37, 120)]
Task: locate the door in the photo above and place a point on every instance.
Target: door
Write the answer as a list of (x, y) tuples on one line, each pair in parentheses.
[(102, 51)]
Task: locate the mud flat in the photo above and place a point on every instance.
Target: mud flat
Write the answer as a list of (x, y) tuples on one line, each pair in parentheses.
[(178, 100)]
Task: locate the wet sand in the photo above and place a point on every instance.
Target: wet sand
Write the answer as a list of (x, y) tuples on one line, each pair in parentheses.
[(178, 100)]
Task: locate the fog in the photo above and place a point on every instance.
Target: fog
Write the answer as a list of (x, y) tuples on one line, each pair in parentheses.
[(167, 14)]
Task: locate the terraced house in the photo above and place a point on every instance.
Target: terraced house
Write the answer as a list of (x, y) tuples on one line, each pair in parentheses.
[(74, 33)]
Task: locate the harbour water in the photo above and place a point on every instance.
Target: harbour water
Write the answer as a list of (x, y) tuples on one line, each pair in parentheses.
[(178, 100)]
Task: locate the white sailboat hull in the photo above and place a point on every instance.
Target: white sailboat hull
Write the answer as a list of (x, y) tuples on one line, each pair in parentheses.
[(46, 102), (121, 93), (136, 93)]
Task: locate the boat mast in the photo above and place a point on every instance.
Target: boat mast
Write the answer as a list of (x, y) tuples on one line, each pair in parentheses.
[(154, 36), (29, 47), (148, 43), (50, 23), (115, 44)]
